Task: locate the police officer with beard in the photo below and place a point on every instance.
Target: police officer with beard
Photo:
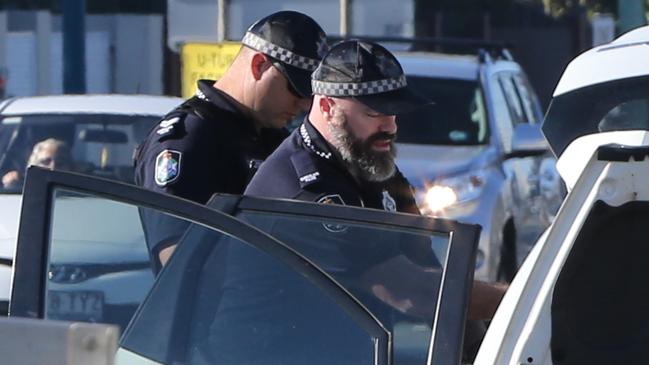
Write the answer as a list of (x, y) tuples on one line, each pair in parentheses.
[(215, 141), (343, 153)]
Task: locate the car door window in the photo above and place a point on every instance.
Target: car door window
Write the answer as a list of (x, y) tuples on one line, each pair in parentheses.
[(512, 98), (502, 113), (221, 300), (397, 272), (528, 98), (98, 264)]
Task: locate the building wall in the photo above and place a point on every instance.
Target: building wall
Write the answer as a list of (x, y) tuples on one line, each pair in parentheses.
[(197, 20), (138, 46), (124, 53)]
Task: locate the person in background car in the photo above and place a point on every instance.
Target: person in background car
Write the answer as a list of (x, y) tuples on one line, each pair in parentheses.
[(50, 153)]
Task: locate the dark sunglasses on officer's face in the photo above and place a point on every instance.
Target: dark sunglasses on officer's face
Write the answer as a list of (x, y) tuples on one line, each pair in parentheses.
[(289, 86)]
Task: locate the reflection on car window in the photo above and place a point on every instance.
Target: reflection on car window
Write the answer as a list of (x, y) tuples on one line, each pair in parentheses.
[(512, 99), (610, 106), (528, 97), (223, 301), (100, 145), (98, 265), (391, 270), (457, 116), (632, 114)]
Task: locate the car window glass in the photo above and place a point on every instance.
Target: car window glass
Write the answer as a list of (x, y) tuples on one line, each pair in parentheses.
[(98, 265), (528, 98), (395, 272), (633, 114), (611, 106), (456, 117), (512, 99), (221, 300), (479, 115), (502, 113), (100, 145)]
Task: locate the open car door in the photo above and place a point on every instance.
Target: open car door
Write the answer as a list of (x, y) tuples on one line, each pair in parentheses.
[(280, 282)]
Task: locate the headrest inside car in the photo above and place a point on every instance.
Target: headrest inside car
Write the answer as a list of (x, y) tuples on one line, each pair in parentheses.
[(102, 136)]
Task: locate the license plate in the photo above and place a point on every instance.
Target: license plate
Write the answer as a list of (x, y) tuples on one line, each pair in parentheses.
[(75, 305)]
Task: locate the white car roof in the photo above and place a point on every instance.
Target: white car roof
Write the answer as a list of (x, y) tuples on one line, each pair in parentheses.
[(625, 57), (90, 104), (441, 65)]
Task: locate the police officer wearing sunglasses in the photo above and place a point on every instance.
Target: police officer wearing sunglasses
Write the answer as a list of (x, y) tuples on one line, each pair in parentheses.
[(215, 141)]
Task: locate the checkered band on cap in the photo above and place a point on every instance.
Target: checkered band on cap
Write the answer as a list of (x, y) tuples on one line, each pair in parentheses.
[(358, 89), (255, 42)]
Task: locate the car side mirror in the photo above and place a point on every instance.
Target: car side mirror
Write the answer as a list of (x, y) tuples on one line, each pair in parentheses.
[(527, 141)]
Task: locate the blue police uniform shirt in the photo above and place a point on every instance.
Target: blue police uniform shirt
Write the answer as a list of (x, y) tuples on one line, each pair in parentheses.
[(306, 167), (207, 145)]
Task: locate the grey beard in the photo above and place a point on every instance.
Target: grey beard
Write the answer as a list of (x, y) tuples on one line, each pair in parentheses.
[(361, 160)]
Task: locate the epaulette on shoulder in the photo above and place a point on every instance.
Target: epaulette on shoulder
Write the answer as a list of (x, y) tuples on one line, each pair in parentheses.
[(307, 171), (173, 125)]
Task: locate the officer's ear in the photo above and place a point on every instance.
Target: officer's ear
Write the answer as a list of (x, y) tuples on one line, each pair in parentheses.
[(259, 64), (326, 106)]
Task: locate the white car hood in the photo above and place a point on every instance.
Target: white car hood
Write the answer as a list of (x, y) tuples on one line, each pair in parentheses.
[(9, 220), (426, 162)]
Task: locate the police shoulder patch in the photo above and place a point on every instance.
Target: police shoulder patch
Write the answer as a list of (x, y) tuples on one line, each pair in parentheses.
[(305, 169), (331, 199), (167, 167)]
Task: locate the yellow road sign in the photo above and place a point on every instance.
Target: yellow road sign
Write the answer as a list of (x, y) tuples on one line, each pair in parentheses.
[(204, 61)]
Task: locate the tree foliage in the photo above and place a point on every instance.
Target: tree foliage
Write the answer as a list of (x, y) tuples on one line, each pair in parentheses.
[(560, 7), (555, 8)]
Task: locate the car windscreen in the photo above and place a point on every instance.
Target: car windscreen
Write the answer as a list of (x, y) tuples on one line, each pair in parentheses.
[(96, 144), (611, 106), (457, 117)]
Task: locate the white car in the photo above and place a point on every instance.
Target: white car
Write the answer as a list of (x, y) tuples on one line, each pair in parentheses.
[(101, 130), (477, 154), (581, 295)]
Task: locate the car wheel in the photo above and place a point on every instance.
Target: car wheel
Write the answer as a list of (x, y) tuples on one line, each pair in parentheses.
[(508, 266)]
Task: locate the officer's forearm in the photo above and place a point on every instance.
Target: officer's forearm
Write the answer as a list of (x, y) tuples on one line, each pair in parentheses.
[(485, 298)]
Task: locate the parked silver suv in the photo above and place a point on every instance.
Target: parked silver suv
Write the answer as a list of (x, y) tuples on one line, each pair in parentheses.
[(477, 155)]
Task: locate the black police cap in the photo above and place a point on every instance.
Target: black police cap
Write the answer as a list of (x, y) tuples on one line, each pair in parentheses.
[(295, 40), (369, 73)]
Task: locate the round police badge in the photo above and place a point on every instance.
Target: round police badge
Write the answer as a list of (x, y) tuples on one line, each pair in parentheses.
[(167, 167)]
